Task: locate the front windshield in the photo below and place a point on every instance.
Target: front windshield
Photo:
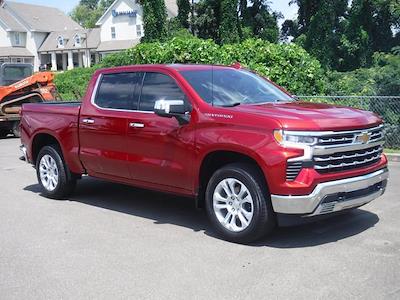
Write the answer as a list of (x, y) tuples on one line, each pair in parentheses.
[(230, 87)]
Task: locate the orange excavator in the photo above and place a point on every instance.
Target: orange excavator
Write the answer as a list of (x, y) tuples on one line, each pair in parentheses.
[(18, 85)]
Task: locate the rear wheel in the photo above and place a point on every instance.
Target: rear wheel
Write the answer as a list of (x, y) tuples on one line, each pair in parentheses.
[(53, 174), (4, 133), (16, 129), (238, 203)]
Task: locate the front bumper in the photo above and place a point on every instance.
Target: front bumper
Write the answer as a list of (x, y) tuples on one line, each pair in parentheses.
[(334, 196)]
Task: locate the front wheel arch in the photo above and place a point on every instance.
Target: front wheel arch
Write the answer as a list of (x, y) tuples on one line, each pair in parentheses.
[(215, 160)]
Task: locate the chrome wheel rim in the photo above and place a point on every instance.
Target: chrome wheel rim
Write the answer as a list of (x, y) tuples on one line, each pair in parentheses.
[(233, 204), (48, 172)]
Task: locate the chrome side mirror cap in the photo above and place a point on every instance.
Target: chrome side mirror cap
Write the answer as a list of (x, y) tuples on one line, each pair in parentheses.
[(172, 109)]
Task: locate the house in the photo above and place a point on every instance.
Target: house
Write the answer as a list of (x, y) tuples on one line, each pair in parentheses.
[(121, 26), (67, 49), (24, 28), (46, 36)]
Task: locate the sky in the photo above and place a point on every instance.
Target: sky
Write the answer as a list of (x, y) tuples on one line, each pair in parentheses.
[(66, 5)]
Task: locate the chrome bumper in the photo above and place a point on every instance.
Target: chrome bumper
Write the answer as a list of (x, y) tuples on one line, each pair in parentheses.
[(350, 192)]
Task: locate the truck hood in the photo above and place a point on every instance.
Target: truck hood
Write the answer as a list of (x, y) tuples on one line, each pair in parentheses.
[(312, 116)]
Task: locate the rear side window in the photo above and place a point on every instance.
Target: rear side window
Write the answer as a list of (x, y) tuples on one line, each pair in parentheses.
[(117, 91), (157, 86)]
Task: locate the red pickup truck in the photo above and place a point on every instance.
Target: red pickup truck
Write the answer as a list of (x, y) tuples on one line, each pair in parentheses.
[(245, 149)]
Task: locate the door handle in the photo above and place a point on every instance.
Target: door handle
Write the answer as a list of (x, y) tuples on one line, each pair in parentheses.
[(88, 121), (136, 125)]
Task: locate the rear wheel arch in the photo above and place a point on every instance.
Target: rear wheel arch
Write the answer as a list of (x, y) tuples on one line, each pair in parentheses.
[(217, 159), (41, 140)]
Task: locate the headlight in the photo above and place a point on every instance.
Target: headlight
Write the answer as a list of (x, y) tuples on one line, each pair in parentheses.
[(291, 139)]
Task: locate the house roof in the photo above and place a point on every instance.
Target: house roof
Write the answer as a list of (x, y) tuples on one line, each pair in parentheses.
[(40, 18), (172, 10), (15, 51), (117, 45), (90, 39), (10, 23)]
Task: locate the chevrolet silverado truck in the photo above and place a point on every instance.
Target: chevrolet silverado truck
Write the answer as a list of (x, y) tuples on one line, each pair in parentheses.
[(249, 153)]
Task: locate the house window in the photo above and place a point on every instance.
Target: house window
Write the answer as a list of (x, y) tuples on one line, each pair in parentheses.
[(78, 40), (17, 38), (60, 42), (113, 34), (139, 30), (17, 60)]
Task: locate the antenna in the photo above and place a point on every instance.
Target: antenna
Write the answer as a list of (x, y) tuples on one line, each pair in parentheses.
[(212, 85)]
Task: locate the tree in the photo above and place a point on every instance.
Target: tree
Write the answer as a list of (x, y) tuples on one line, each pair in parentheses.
[(154, 19), (85, 16), (228, 21), (343, 37), (319, 28), (207, 20), (184, 9), (87, 12), (228, 29), (91, 4)]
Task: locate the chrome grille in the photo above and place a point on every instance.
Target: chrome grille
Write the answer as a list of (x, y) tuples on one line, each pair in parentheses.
[(336, 139), (293, 169), (347, 150), (342, 161), (350, 137)]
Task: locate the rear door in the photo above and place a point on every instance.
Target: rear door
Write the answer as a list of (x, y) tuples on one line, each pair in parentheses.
[(160, 151), (104, 123)]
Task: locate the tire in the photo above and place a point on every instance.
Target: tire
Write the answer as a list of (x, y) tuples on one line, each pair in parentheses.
[(60, 181), (16, 130), (4, 133), (253, 206)]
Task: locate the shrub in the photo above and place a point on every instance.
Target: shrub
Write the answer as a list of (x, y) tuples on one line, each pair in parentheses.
[(288, 64), (72, 84)]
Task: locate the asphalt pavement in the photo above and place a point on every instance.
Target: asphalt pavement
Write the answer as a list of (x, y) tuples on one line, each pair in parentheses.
[(110, 241)]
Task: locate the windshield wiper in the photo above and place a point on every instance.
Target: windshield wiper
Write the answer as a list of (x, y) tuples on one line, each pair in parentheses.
[(232, 105)]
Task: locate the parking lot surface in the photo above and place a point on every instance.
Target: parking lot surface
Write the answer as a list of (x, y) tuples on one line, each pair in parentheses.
[(110, 241)]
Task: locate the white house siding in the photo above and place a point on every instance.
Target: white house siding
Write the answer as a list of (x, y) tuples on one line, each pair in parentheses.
[(33, 42), (125, 26), (5, 38)]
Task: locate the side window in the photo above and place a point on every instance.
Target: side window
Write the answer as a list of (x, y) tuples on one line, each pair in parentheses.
[(117, 91), (157, 86)]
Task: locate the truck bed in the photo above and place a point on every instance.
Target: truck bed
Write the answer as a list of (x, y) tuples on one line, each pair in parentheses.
[(58, 118)]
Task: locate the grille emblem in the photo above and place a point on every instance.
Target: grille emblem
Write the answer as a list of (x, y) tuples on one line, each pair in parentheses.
[(363, 138)]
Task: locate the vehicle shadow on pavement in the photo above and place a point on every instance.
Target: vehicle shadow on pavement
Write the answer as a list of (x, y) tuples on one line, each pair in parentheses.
[(321, 232), (170, 209)]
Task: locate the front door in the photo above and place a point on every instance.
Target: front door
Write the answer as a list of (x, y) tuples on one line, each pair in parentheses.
[(160, 151)]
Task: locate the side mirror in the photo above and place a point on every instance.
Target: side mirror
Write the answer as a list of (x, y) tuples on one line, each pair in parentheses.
[(173, 109)]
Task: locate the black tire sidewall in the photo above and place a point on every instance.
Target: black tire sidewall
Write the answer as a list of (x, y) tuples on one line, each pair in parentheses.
[(65, 182), (263, 217)]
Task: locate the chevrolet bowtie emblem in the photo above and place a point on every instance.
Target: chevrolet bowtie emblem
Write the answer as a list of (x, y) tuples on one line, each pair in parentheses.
[(363, 138)]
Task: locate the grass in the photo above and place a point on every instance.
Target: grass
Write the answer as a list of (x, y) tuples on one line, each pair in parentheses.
[(396, 151)]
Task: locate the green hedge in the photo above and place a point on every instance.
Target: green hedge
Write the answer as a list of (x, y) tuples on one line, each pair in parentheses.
[(287, 64), (72, 84)]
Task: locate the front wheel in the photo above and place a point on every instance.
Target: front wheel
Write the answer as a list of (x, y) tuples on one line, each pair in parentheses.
[(238, 203), (53, 174)]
